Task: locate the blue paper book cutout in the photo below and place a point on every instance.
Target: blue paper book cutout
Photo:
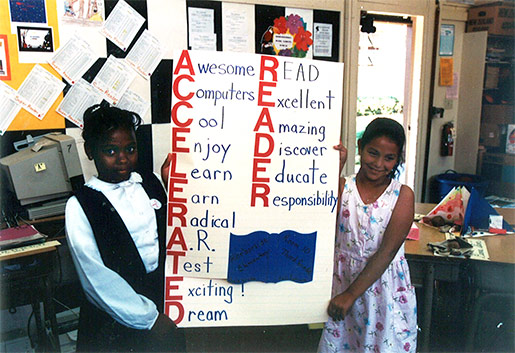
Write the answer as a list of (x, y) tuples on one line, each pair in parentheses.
[(271, 258)]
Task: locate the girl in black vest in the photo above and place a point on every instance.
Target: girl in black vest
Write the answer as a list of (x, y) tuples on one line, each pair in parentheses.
[(116, 229)]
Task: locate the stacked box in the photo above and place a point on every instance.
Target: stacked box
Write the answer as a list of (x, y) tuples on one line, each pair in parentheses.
[(496, 18), (497, 114)]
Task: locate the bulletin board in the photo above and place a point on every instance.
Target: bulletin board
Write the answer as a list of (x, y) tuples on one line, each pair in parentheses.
[(44, 15), (267, 21)]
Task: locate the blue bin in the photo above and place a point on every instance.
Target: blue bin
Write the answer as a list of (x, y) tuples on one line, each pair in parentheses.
[(447, 181)]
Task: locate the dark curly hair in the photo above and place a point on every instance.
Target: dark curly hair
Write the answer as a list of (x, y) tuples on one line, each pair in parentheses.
[(100, 120), (390, 128)]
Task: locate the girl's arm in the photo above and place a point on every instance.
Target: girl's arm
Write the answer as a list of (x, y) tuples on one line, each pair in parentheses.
[(165, 170), (343, 158), (395, 234), (343, 155), (102, 286)]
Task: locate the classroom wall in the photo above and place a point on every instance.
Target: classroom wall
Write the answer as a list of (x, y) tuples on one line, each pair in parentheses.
[(464, 157), (437, 164)]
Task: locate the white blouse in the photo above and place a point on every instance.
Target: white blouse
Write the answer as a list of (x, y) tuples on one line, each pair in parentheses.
[(103, 287)]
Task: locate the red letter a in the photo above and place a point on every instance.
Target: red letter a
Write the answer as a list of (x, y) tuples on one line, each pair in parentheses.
[(185, 56), (264, 122)]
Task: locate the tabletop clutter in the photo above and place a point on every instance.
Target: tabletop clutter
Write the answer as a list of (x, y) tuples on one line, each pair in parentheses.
[(455, 247), (463, 215)]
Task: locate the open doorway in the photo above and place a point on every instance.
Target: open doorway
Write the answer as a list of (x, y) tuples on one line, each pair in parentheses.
[(383, 77)]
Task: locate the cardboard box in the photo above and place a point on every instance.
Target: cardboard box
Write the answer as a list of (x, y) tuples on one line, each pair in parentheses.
[(496, 18), (491, 77), (490, 135), (497, 114)]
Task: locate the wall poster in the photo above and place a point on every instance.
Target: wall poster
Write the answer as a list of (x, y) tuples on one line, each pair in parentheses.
[(27, 12), (446, 40), (253, 189), (296, 32)]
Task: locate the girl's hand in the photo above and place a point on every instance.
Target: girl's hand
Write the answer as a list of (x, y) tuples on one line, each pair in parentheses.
[(165, 170), (164, 336), (343, 154), (163, 325), (340, 305)]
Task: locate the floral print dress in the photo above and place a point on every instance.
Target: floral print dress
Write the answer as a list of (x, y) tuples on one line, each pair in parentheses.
[(384, 318)]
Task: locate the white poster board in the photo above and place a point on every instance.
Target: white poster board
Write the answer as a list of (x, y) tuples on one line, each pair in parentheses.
[(252, 190)]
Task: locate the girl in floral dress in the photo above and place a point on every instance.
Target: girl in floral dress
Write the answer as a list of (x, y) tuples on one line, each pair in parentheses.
[(373, 305)]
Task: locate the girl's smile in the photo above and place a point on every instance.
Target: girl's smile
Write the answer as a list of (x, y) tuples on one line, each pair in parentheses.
[(378, 158), (117, 157)]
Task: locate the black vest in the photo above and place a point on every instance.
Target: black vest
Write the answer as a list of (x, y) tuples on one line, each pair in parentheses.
[(97, 330)]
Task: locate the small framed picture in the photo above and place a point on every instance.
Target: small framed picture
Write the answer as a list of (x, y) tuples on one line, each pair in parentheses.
[(5, 67), (446, 40), (38, 39)]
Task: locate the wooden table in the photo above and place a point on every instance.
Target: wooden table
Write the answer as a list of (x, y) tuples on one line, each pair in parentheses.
[(426, 268), (27, 277)]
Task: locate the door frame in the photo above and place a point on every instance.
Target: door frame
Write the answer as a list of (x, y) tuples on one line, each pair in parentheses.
[(422, 13)]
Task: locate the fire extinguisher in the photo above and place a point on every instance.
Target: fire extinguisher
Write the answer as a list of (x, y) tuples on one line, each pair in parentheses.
[(447, 143)]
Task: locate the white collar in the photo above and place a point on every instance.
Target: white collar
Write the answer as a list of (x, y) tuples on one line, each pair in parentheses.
[(100, 185)]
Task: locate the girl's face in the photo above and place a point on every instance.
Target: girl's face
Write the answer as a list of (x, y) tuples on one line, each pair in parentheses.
[(378, 157), (116, 157)]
